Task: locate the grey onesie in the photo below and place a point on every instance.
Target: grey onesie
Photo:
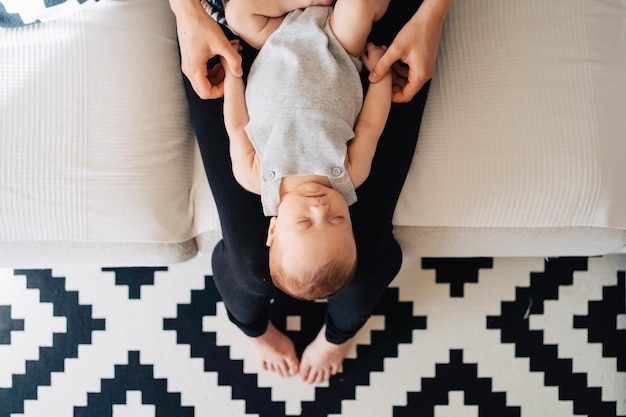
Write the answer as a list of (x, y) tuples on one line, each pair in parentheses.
[(303, 95)]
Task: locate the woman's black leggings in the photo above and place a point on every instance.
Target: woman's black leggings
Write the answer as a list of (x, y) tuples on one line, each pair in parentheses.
[(240, 259)]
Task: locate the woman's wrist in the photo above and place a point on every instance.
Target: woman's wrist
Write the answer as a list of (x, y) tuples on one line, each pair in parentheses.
[(437, 10), (439, 7), (183, 9)]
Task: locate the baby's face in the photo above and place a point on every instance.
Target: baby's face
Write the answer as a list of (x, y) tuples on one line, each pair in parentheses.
[(314, 225)]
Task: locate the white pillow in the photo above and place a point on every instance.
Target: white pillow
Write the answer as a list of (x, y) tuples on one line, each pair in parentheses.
[(95, 139), (525, 121)]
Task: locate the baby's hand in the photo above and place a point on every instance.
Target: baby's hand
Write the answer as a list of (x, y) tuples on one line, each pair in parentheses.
[(372, 54)]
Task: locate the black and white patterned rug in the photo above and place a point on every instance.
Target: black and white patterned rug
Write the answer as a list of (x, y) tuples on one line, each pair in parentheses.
[(451, 337)]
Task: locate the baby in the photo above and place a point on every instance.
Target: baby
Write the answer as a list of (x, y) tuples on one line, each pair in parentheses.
[(302, 135)]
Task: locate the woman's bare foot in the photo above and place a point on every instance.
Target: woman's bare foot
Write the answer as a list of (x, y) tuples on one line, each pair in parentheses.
[(276, 352), (322, 359)]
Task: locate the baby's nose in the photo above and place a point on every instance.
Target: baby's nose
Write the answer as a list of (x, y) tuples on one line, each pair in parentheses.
[(320, 209)]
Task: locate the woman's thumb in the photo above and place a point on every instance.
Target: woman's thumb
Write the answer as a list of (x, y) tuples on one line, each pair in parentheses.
[(380, 69), (233, 59)]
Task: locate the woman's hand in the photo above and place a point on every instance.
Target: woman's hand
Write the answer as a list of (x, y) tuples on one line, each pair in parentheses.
[(412, 54), (200, 38)]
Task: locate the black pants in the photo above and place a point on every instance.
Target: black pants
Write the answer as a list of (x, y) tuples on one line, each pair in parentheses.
[(240, 260)]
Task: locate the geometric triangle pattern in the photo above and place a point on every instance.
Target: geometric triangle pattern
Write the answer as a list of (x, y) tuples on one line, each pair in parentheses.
[(602, 322), (36, 371), (133, 377), (134, 278), (450, 337), (456, 376), (544, 291)]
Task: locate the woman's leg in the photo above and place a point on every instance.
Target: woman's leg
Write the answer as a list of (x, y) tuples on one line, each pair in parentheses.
[(380, 256), (240, 259)]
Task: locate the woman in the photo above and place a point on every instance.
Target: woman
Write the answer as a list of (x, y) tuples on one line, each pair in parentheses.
[(240, 261)]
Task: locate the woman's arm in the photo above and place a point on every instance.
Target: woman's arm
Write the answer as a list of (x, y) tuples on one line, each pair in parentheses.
[(246, 163), (371, 121), (416, 45)]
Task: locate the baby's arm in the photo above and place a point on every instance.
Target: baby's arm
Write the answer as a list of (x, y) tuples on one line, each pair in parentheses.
[(256, 20), (371, 121), (245, 161), (351, 22)]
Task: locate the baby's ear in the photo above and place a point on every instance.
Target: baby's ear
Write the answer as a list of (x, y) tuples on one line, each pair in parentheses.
[(270, 232)]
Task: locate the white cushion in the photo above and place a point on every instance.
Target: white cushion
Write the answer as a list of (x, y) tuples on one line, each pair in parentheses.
[(95, 141), (525, 125)]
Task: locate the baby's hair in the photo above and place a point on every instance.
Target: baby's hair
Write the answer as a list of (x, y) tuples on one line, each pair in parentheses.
[(318, 283)]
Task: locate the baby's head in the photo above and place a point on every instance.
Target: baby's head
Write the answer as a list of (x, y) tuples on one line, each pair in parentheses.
[(312, 247)]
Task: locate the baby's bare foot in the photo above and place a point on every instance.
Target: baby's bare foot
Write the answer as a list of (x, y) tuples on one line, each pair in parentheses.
[(322, 359), (276, 352)]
